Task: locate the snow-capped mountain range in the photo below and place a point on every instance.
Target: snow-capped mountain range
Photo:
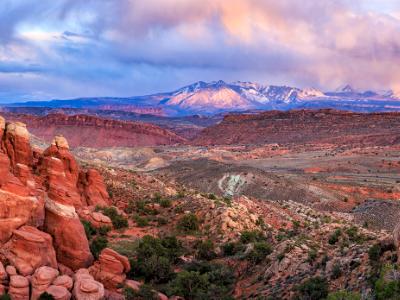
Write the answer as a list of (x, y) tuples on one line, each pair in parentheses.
[(218, 96)]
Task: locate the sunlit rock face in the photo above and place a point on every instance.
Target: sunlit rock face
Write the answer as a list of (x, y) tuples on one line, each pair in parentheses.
[(43, 191)]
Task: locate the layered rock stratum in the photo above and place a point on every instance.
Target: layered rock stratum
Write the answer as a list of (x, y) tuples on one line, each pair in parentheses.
[(325, 126), (96, 132)]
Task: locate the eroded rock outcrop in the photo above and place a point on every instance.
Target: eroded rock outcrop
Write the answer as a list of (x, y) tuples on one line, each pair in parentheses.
[(44, 190), (19, 288), (93, 189), (86, 288), (62, 222), (110, 269), (29, 249), (59, 292), (41, 280)]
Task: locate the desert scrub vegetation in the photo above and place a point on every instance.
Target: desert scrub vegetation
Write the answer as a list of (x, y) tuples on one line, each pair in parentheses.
[(155, 257), (188, 223), (97, 237), (117, 219), (146, 292), (97, 245), (203, 280), (334, 237), (312, 289)]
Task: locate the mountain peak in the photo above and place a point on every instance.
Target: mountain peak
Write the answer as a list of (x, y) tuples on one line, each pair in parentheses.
[(346, 89)]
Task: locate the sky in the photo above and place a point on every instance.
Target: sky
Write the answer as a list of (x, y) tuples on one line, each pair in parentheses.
[(60, 49)]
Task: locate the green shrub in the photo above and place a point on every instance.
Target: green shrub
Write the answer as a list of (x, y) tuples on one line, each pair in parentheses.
[(45, 296), (165, 203), (312, 289), (203, 281), (97, 245), (89, 229), (336, 271), (188, 223), (385, 287), (312, 255), (212, 196), (104, 230), (5, 297), (354, 235), (334, 237), (229, 248), (190, 285), (155, 257), (374, 253), (145, 292), (118, 220), (251, 236), (260, 252), (141, 221), (343, 295), (205, 250)]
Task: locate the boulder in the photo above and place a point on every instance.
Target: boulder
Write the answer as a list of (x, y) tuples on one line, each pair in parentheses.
[(29, 249), (59, 292), (41, 280), (110, 269), (19, 288), (65, 281), (11, 270), (86, 288), (97, 219)]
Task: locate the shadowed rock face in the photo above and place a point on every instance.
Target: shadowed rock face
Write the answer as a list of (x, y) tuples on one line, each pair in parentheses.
[(305, 126), (43, 190), (97, 132)]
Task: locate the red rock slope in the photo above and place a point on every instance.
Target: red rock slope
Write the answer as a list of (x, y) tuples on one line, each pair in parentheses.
[(97, 132), (305, 126)]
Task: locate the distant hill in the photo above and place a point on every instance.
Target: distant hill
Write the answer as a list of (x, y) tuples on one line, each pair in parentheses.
[(305, 126), (219, 97)]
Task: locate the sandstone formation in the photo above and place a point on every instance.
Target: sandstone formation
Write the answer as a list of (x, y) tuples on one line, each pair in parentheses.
[(97, 219), (3, 279), (86, 288), (29, 249), (62, 222), (41, 280), (92, 188), (19, 288), (19, 203), (64, 281), (110, 269), (59, 292), (44, 190)]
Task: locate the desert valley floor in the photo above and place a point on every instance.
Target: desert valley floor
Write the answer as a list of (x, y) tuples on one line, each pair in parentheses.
[(298, 216)]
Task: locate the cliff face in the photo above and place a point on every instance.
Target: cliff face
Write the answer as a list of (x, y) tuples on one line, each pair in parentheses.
[(43, 190), (305, 126), (97, 132)]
